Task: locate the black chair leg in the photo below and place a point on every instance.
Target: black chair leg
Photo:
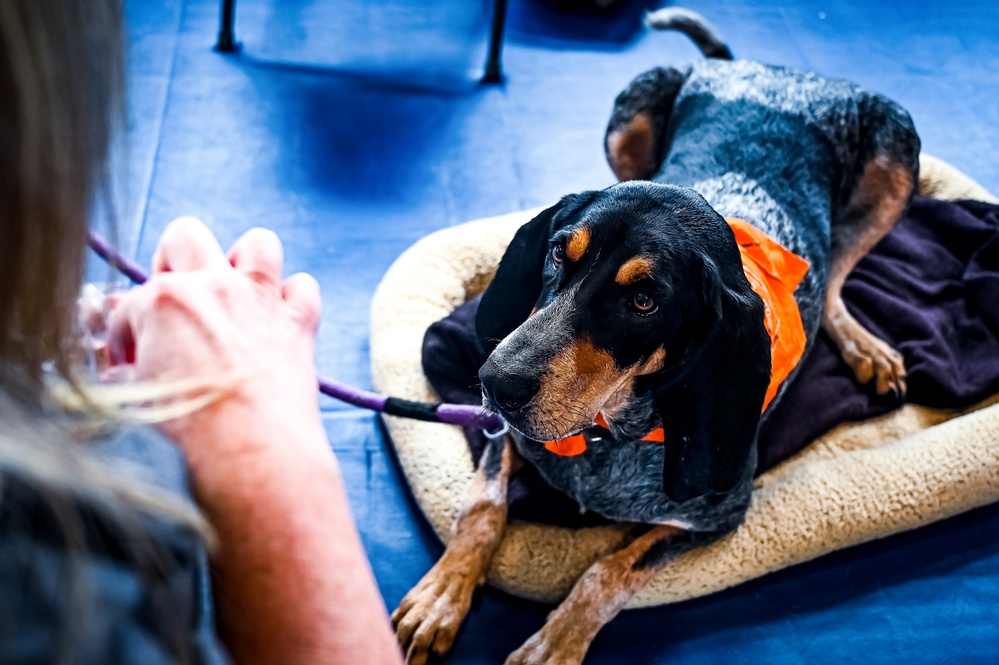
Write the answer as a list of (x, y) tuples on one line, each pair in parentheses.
[(227, 37), (494, 69)]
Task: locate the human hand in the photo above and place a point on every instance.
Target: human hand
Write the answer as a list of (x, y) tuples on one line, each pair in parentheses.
[(292, 581), (227, 324)]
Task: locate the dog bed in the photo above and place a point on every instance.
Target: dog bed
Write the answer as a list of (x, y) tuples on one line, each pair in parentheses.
[(860, 482)]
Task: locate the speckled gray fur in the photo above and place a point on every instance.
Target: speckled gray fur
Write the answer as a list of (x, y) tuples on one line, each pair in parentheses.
[(784, 150)]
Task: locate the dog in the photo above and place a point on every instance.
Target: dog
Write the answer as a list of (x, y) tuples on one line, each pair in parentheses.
[(633, 346)]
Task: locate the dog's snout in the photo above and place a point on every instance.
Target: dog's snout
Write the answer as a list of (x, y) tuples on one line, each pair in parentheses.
[(509, 392)]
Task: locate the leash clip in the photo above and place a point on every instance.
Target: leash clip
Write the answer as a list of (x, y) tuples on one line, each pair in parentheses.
[(497, 434)]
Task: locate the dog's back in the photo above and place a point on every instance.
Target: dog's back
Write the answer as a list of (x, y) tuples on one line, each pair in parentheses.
[(770, 145), (784, 149)]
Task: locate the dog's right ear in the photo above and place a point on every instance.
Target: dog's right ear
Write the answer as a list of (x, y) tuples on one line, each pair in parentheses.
[(515, 289)]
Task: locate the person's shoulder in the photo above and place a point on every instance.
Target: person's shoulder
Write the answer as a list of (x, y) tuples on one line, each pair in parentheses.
[(105, 582)]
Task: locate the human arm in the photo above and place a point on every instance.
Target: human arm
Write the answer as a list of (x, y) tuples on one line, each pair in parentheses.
[(292, 581)]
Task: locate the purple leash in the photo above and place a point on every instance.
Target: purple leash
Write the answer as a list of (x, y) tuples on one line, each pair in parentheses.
[(466, 415)]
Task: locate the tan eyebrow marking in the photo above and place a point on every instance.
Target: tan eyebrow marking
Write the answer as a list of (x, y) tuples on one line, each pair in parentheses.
[(634, 269), (578, 242)]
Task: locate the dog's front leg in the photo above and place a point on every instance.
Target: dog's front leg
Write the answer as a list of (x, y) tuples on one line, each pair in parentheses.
[(429, 616), (599, 594)]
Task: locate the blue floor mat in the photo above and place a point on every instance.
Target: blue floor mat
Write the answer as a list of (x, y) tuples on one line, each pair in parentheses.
[(355, 127)]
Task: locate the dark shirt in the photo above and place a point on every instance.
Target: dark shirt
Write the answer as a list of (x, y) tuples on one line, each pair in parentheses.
[(77, 586)]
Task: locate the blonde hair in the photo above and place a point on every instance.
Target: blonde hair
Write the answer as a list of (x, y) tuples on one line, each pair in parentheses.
[(61, 82)]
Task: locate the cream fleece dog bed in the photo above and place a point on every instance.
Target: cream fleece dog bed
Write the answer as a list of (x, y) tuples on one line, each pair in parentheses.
[(858, 483)]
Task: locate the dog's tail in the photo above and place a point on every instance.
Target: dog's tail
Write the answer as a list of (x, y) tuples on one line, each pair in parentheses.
[(695, 26)]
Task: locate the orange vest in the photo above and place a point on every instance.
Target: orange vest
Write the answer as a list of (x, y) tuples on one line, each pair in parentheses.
[(774, 273)]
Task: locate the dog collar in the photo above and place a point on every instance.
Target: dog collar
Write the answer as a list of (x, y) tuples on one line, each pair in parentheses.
[(774, 272)]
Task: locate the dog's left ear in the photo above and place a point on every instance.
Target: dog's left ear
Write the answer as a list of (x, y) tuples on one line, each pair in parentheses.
[(515, 289), (711, 410)]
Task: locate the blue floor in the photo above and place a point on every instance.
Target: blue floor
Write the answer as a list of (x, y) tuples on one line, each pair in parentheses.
[(355, 127)]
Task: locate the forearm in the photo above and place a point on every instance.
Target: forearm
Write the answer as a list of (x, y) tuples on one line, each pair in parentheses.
[(292, 581)]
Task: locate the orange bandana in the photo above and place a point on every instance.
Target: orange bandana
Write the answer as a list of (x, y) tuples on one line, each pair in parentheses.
[(774, 273)]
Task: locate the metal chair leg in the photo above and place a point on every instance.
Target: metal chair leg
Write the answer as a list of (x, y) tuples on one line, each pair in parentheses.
[(227, 37), (494, 69)]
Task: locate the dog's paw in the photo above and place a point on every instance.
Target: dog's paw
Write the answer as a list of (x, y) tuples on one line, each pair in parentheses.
[(428, 618), (551, 646), (873, 360)]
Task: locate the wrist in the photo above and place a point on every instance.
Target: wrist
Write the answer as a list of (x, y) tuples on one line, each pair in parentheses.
[(254, 459)]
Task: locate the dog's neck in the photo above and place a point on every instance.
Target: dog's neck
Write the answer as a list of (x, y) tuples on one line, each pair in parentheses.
[(630, 415)]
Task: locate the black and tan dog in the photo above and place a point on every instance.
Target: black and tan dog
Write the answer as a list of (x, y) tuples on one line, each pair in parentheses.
[(619, 313)]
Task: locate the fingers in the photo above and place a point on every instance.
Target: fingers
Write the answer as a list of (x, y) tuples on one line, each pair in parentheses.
[(121, 337), (258, 254), (301, 293), (187, 244), (125, 321), (193, 278)]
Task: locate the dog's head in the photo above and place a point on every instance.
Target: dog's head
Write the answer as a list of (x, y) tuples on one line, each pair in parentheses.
[(634, 289)]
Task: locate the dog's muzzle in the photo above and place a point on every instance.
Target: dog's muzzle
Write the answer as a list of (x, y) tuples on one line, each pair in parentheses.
[(506, 392)]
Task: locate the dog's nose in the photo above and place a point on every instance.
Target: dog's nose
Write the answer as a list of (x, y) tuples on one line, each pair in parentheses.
[(508, 391)]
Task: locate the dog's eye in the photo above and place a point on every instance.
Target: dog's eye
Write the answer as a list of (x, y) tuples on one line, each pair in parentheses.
[(644, 304), (558, 252)]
